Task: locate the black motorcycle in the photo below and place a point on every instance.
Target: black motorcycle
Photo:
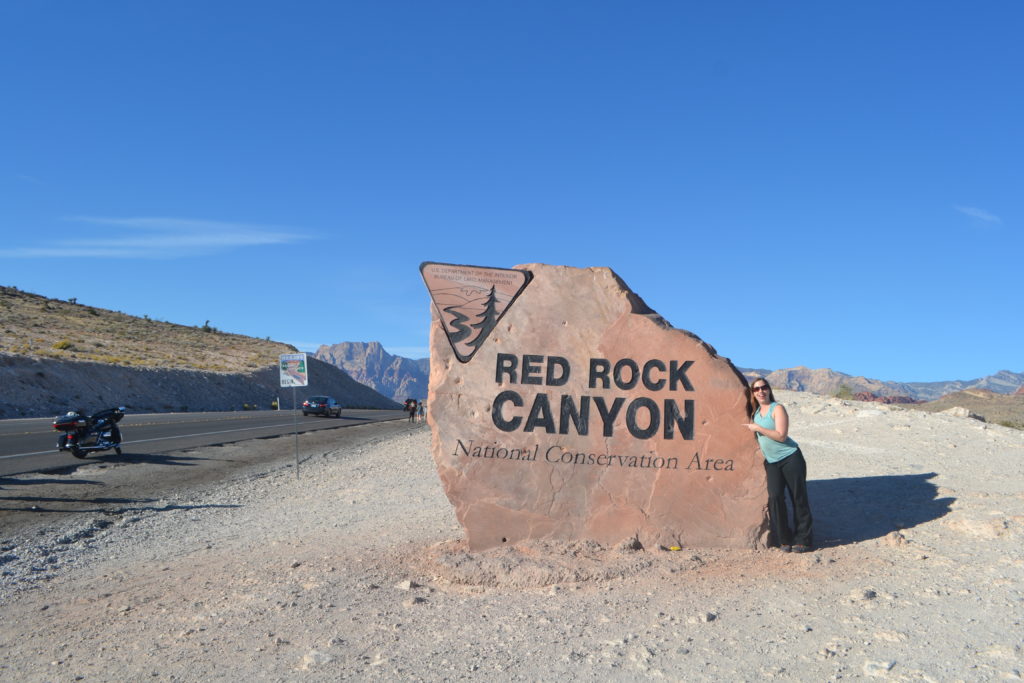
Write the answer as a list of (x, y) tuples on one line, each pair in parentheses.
[(82, 434)]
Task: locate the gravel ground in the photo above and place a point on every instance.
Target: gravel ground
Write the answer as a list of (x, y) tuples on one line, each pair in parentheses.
[(355, 569)]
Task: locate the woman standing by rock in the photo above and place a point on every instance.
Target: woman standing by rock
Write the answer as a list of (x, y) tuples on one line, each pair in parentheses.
[(785, 468)]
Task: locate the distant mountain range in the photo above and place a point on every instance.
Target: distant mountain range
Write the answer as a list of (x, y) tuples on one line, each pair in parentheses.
[(400, 378), (396, 377), (830, 382)]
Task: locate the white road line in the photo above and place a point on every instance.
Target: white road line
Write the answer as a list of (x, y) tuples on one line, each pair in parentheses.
[(163, 438), (24, 455)]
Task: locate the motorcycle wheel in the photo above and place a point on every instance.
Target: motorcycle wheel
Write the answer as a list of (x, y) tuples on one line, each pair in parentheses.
[(77, 452)]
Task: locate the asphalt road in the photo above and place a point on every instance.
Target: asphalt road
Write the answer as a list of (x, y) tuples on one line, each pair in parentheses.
[(29, 444)]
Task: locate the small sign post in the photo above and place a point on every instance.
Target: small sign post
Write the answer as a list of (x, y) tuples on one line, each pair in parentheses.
[(294, 373)]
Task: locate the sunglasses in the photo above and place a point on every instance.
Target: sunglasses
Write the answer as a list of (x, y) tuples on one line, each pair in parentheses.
[(763, 387)]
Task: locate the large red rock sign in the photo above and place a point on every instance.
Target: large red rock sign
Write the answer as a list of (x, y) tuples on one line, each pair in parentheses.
[(562, 407)]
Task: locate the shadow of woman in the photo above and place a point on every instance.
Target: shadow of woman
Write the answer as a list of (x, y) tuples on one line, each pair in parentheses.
[(856, 509)]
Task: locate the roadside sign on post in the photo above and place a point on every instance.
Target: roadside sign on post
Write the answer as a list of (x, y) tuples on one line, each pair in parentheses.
[(294, 371)]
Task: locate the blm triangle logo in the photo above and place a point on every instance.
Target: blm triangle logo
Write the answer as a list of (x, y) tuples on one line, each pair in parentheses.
[(470, 300)]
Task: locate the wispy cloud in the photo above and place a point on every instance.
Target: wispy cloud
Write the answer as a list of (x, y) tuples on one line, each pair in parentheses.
[(155, 238), (980, 214)]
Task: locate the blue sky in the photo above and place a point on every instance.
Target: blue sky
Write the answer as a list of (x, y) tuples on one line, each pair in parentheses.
[(824, 184)]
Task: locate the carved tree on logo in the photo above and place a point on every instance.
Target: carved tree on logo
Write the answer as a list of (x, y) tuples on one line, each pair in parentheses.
[(488, 319)]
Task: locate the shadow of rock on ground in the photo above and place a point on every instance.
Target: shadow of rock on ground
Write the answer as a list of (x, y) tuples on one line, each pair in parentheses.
[(10, 482), (854, 509), (23, 499), (128, 459)]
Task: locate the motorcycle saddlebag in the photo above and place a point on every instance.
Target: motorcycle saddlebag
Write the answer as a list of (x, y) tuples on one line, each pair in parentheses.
[(69, 423)]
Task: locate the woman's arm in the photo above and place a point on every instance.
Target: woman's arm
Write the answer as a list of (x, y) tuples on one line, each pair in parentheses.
[(781, 430)]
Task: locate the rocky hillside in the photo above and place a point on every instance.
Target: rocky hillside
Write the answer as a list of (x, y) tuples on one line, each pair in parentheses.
[(367, 362), (1007, 410), (56, 355), (42, 387), (38, 327)]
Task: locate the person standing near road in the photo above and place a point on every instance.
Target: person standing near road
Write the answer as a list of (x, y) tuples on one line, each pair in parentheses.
[(785, 468), (422, 412)]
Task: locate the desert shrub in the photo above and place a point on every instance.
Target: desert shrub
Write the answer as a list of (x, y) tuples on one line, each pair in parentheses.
[(63, 345), (844, 392)]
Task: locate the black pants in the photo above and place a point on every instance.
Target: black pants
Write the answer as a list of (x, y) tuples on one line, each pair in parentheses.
[(789, 473)]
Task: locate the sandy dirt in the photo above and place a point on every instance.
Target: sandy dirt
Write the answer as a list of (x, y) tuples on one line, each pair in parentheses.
[(355, 570)]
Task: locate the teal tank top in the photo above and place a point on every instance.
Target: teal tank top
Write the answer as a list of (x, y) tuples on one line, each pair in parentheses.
[(772, 450)]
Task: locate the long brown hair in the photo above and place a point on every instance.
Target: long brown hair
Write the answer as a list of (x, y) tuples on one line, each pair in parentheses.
[(752, 400)]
